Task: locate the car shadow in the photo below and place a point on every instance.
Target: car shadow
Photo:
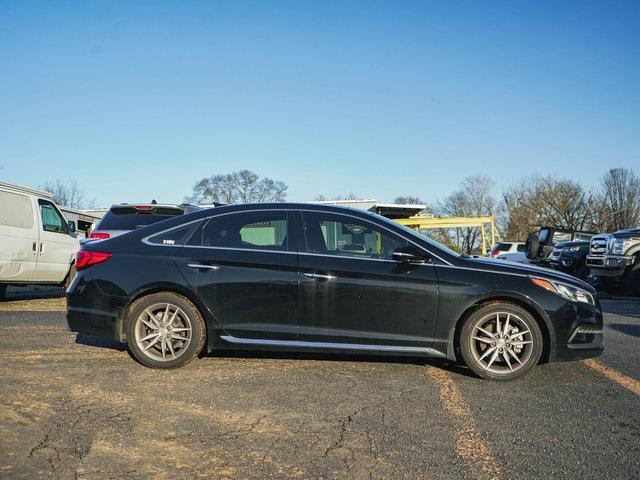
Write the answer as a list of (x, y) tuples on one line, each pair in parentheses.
[(626, 328), (340, 357), (101, 342)]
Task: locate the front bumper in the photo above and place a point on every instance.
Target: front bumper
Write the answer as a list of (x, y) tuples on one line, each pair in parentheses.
[(608, 265), (581, 335)]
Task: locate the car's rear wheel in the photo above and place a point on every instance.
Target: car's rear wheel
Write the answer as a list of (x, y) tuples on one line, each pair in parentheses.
[(165, 330), (501, 341)]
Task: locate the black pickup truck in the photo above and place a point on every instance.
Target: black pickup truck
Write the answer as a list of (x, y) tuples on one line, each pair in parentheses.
[(539, 246)]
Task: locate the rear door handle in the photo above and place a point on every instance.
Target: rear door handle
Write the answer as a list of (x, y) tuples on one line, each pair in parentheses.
[(319, 276), (199, 266)]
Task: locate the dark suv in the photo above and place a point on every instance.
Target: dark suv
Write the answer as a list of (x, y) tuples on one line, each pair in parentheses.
[(572, 258), (125, 217), (540, 245)]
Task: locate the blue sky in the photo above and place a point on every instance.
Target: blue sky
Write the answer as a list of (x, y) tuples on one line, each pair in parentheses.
[(138, 100)]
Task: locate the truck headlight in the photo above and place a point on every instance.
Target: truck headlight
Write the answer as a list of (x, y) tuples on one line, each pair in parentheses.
[(571, 249), (571, 293), (620, 246)]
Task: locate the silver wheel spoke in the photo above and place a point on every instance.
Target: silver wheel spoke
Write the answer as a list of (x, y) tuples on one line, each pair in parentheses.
[(505, 330), (169, 344), (165, 317), (186, 329), (519, 344), (498, 331), (488, 334), (149, 337), (514, 356), (173, 317), (483, 340), (519, 334), (487, 352), (505, 355), (163, 347), (493, 358), (178, 337), (150, 325), (151, 344), (153, 318)]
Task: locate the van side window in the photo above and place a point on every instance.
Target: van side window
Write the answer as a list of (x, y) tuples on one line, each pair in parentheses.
[(52, 221), (16, 210)]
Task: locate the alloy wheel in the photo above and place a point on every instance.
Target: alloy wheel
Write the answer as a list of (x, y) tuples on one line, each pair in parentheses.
[(501, 343), (163, 332)]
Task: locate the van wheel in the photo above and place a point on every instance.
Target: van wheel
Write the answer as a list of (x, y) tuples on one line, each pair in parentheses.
[(165, 330), (70, 276), (501, 341)]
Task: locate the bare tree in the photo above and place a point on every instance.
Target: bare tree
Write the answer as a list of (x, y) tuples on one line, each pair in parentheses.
[(538, 201), (243, 186), (619, 200), (67, 194), (473, 198), (408, 200)]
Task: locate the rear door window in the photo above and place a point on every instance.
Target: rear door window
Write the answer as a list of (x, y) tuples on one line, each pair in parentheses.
[(266, 230), (16, 210), (131, 218), (176, 236)]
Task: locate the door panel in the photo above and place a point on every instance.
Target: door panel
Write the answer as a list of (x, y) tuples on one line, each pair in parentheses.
[(56, 247), (18, 237), (353, 292), (245, 273)]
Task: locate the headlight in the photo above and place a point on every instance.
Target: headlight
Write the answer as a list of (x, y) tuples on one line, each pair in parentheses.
[(571, 249), (571, 293), (619, 246)]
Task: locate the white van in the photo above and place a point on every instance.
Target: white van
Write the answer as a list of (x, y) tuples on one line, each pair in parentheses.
[(37, 245)]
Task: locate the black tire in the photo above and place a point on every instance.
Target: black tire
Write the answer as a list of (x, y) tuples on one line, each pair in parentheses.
[(519, 321), (633, 280), (532, 246), (188, 315), (70, 276)]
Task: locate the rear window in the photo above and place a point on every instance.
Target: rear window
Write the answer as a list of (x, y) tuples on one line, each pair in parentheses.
[(131, 218), (522, 247), (503, 247)]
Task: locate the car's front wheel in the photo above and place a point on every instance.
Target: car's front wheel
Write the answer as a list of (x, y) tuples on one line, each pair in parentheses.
[(165, 330), (501, 341)]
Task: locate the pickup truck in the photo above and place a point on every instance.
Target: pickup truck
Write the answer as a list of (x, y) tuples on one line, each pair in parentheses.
[(614, 258)]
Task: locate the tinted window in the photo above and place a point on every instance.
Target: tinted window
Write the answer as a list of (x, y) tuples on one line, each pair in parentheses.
[(175, 236), (130, 218), (340, 235), (52, 220), (16, 210), (503, 247), (522, 247), (251, 230)]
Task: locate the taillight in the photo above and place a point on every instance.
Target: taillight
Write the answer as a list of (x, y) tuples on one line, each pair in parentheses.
[(99, 235), (86, 258)]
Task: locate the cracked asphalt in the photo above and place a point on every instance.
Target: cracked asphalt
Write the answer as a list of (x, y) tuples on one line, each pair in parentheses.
[(74, 406)]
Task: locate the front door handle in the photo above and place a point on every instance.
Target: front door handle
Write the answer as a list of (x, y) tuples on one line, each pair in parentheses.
[(319, 276), (199, 266)]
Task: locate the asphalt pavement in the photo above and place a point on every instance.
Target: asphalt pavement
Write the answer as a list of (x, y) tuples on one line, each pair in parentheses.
[(74, 406)]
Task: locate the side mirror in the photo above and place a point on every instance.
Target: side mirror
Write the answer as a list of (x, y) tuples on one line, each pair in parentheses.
[(71, 226), (410, 256)]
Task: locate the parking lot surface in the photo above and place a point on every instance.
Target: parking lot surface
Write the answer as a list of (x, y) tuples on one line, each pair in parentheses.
[(80, 407)]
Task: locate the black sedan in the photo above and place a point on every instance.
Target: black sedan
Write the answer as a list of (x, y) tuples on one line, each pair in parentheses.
[(305, 277)]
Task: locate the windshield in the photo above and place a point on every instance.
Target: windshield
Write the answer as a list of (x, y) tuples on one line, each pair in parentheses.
[(129, 218), (426, 238)]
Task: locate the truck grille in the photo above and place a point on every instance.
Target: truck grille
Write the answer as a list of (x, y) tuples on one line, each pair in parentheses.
[(598, 246)]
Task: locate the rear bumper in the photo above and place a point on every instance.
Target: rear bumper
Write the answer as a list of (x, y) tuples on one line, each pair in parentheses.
[(93, 322)]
